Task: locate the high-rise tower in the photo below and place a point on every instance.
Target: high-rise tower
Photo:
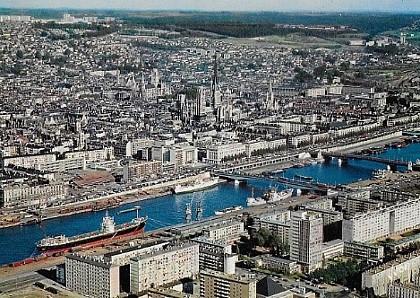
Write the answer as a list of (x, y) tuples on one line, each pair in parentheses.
[(306, 237)]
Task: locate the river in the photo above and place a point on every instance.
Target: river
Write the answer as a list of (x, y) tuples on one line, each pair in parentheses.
[(18, 243)]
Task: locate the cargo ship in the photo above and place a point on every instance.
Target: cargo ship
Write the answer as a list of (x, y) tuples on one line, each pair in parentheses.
[(108, 230), (196, 186)]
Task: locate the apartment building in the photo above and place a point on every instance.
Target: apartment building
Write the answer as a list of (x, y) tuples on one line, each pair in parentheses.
[(92, 276), (383, 222), (215, 284), (217, 153), (380, 277), (164, 267), (107, 153), (306, 237), (28, 161), (363, 250), (141, 170), (27, 195), (216, 255), (227, 230)]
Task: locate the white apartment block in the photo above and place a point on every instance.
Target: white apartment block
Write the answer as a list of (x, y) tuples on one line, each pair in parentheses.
[(164, 267), (29, 161), (141, 170), (25, 195), (133, 146), (63, 165), (297, 140), (184, 154), (343, 132), (383, 222), (332, 249), (282, 230), (363, 250), (216, 153), (253, 146), (92, 276), (306, 237), (384, 275), (216, 255), (220, 285), (399, 290), (227, 230), (106, 153)]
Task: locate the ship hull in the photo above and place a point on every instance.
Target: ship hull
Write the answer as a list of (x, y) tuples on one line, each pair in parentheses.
[(194, 188), (81, 240)]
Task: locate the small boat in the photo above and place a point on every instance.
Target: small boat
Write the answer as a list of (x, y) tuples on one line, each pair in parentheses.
[(298, 165), (128, 210), (307, 178), (251, 201), (416, 165), (228, 210)]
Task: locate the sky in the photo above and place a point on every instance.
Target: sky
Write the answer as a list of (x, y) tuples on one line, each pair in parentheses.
[(406, 6)]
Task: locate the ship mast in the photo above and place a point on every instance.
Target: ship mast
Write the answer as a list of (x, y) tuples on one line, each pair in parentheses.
[(199, 211), (188, 213)]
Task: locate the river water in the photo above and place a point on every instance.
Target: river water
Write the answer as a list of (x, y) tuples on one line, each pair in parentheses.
[(18, 243)]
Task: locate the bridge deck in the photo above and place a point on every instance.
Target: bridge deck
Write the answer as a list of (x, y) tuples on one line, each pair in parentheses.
[(386, 161)]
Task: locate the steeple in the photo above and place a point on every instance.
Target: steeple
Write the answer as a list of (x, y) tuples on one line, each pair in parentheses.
[(215, 92)]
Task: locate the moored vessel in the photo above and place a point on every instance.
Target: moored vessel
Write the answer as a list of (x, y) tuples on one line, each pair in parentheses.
[(252, 201), (306, 178), (228, 210), (272, 195), (196, 186), (108, 230)]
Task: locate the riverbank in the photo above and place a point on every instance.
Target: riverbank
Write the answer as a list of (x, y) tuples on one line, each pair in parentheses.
[(13, 219), (83, 207), (395, 137)]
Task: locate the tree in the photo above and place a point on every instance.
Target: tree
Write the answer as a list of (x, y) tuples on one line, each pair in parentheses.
[(19, 54), (38, 55), (319, 72)]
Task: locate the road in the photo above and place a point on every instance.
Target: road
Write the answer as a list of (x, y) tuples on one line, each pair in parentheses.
[(19, 281)]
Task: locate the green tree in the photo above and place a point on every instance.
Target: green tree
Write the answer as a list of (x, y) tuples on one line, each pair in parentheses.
[(19, 54), (38, 55)]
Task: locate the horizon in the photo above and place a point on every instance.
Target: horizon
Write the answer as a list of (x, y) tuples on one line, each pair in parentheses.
[(234, 6), (153, 10)]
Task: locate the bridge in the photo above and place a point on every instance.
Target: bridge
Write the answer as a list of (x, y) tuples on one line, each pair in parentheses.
[(260, 162), (319, 187), (345, 156)]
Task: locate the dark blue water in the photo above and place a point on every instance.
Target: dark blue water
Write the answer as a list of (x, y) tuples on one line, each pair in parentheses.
[(18, 243)]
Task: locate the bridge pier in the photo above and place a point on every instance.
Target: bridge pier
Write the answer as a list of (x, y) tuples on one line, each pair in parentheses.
[(343, 161), (327, 158), (410, 166), (392, 167)]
